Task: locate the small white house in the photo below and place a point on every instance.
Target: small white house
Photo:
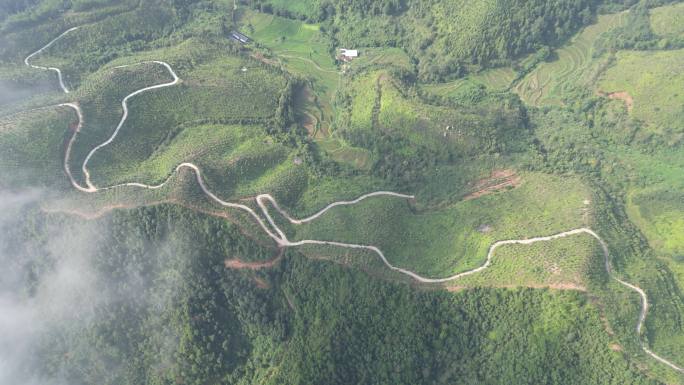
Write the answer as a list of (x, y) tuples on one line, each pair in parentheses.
[(348, 54)]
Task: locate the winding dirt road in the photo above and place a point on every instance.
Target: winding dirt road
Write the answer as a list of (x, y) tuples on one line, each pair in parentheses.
[(27, 61), (277, 234)]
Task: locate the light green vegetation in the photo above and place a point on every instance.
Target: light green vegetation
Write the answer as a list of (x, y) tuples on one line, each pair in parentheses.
[(423, 144), (549, 81), (655, 81), (217, 91), (20, 87), (656, 205), (456, 238), (498, 79), (31, 148), (661, 216), (339, 150), (564, 263), (380, 57), (667, 21), (304, 7), (289, 38), (92, 45)]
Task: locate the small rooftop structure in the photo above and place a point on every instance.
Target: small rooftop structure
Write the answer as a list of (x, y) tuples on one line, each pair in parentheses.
[(348, 54), (242, 38)]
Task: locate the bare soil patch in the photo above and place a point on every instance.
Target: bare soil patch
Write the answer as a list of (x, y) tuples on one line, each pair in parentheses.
[(498, 180), (238, 264), (260, 57), (554, 286), (260, 283), (620, 95)]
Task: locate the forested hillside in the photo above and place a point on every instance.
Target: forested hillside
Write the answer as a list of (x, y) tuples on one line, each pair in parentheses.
[(209, 192)]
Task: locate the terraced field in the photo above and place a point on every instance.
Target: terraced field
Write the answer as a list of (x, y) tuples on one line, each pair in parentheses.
[(342, 152), (547, 83), (301, 48), (496, 80)]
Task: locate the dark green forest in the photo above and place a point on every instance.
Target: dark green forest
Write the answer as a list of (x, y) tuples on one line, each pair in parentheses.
[(170, 312)]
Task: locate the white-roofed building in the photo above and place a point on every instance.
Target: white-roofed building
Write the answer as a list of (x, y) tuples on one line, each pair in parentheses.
[(348, 54)]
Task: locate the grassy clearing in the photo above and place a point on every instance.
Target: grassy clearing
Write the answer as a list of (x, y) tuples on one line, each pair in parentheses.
[(545, 85), (380, 57), (498, 79), (288, 37), (667, 21), (342, 152), (655, 80), (657, 204), (439, 243)]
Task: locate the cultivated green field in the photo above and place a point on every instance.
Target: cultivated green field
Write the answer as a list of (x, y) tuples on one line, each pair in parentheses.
[(565, 264), (667, 21), (444, 242)]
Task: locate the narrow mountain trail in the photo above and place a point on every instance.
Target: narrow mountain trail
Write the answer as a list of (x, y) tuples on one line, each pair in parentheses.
[(278, 235)]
